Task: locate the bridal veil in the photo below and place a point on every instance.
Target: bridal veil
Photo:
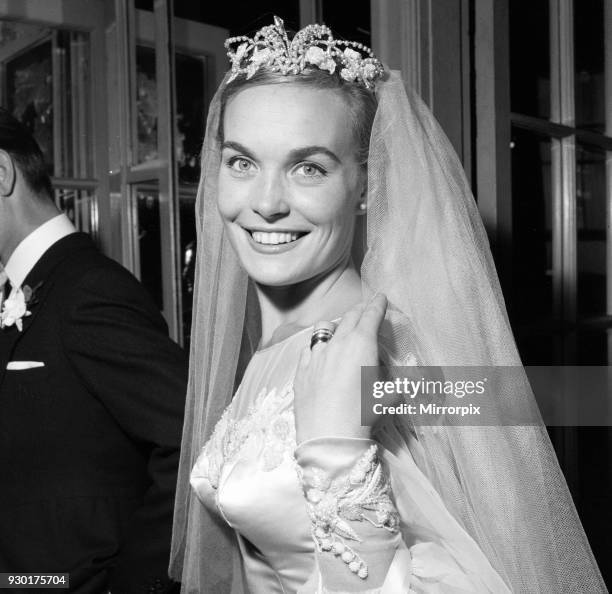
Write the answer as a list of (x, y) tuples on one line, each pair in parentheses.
[(428, 252)]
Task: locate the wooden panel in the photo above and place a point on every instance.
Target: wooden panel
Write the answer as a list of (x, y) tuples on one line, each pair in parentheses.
[(68, 14), (447, 62), (492, 89), (429, 42)]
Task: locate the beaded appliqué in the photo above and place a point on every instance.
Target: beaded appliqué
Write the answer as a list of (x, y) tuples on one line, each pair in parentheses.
[(312, 46), (262, 421), (332, 504)]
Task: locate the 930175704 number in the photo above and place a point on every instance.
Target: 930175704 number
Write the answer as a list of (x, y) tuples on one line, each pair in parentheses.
[(34, 580)]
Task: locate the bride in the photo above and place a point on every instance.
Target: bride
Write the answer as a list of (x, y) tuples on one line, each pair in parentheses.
[(281, 488)]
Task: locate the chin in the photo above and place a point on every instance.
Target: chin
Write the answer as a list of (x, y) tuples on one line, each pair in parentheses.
[(274, 278)]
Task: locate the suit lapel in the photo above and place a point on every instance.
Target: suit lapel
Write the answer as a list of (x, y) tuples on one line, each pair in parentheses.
[(41, 278), (55, 255)]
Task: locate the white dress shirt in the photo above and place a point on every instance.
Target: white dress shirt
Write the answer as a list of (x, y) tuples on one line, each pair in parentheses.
[(31, 249)]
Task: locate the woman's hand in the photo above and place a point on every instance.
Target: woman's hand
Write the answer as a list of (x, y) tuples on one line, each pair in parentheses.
[(327, 384)]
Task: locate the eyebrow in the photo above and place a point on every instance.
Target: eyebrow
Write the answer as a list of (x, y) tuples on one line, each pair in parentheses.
[(239, 148), (298, 154)]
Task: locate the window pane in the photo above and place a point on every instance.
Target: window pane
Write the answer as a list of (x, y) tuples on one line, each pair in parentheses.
[(591, 223), (149, 240), (188, 254), (532, 244), (530, 58), (72, 111), (79, 206), (29, 88), (593, 347), (589, 64), (48, 89), (146, 103), (242, 18), (190, 116), (594, 463), (353, 24), (537, 347)]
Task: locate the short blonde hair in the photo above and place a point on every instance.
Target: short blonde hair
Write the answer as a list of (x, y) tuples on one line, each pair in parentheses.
[(361, 101)]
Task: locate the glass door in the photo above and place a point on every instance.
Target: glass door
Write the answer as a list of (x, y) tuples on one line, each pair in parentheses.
[(162, 72), (48, 80)]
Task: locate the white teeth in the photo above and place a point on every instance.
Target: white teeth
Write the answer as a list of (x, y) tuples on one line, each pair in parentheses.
[(273, 238)]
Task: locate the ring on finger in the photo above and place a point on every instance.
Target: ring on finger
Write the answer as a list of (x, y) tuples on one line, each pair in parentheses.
[(323, 332)]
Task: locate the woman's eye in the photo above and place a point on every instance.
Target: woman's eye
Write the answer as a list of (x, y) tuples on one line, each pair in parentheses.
[(240, 165), (310, 170)]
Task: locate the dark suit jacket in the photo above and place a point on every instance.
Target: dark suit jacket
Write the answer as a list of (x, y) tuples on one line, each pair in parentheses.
[(89, 443)]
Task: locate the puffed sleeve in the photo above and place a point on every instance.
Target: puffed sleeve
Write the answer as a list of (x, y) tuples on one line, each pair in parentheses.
[(367, 543), (355, 525)]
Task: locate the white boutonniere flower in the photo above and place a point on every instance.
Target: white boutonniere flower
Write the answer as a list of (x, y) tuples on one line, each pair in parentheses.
[(15, 309)]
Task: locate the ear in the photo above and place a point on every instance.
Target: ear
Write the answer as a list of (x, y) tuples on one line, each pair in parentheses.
[(7, 174)]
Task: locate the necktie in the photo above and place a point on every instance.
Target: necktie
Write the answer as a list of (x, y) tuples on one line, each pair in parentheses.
[(4, 284), (5, 289)]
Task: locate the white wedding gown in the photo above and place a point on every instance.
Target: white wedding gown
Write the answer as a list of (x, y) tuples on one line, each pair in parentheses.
[(250, 473)]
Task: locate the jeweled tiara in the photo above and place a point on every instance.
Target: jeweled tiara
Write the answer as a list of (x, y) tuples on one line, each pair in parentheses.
[(312, 46)]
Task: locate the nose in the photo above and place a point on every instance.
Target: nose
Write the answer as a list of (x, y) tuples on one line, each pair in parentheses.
[(269, 198)]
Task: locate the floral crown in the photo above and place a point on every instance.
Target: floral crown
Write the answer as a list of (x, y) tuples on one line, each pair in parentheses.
[(313, 45)]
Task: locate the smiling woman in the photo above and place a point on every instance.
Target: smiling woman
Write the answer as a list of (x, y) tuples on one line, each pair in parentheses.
[(303, 136)]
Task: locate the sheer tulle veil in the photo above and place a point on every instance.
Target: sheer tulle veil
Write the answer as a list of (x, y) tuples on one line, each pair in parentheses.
[(428, 252)]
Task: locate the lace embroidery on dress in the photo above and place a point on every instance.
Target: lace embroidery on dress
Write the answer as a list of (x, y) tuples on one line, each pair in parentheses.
[(265, 420), (334, 503), (411, 360)]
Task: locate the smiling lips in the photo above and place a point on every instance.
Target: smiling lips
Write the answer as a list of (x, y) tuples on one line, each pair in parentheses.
[(273, 242), (273, 238)]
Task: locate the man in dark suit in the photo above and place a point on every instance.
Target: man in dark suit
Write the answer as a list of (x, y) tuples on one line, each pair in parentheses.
[(91, 398)]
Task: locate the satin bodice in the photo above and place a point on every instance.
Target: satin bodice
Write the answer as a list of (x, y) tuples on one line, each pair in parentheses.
[(247, 473)]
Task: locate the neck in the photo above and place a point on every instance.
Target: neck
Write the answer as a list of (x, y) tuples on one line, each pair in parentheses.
[(31, 215), (324, 297)]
